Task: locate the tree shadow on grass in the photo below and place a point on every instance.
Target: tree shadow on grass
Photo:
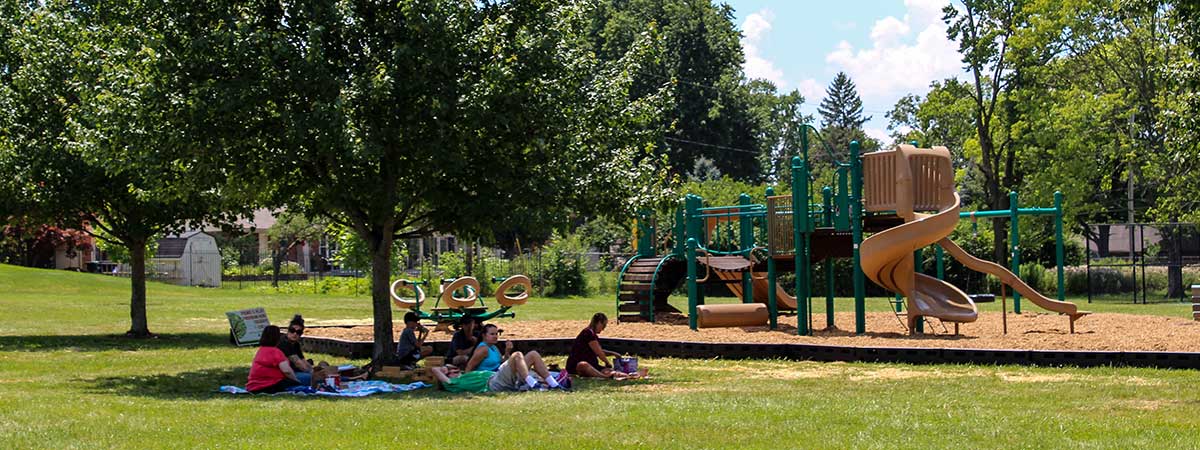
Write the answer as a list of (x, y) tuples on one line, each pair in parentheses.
[(103, 342), (203, 385)]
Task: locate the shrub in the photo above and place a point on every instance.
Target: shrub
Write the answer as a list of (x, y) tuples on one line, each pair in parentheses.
[(566, 271), (1038, 277), (285, 268), (602, 283)]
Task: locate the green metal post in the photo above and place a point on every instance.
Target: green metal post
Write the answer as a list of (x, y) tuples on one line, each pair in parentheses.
[(646, 234), (772, 278), (1059, 253), (860, 282), (693, 289), (696, 231), (941, 262), (1014, 236), (746, 233), (917, 266), (827, 201), (800, 228), (842, 221)]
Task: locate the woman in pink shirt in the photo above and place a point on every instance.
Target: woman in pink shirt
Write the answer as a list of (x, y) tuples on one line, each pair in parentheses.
[(270, 372)]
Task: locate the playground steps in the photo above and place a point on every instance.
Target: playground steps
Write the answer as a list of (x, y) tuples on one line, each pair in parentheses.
[(646, 282)]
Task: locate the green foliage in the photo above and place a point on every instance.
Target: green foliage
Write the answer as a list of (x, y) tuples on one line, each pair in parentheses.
[(566, 271), (453, 264), (602, 234), (354, 254), (266, 267), (103, 121)]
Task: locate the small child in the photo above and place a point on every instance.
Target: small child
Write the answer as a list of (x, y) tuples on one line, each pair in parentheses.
[(411, 347)]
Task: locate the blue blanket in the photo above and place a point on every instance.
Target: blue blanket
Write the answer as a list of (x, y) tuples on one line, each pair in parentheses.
[(352, 389)]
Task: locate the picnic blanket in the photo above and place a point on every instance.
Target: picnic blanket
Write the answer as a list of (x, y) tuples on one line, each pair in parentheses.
[(352, 389)]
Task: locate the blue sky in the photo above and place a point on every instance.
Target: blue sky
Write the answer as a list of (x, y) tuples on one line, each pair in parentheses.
[(889, 48)]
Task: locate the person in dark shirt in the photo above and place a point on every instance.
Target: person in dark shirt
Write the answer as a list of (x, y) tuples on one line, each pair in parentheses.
[(465, 339), (411, 347), (290, 346), (586, 354)]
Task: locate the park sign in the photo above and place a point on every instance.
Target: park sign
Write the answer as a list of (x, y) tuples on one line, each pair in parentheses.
[(246, 326)]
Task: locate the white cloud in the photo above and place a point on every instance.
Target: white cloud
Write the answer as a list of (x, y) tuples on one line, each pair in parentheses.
[(897, 62), (755, 28), (888, 31), (878, 133), (812, 90)]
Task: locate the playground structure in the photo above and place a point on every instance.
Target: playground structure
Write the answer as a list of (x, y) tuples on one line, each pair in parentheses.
[(460, 296), (904, 198)]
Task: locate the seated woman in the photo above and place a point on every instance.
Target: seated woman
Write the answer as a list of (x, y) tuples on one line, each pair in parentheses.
[(512, 376), (586, 354), (510, 369), (291, 347), (270, 372), (486, 355)]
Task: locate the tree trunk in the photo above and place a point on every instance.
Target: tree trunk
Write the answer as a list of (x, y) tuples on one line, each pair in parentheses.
[(1172, 237), (276, 262), (137, 300), (1103, 235), (380, 244)]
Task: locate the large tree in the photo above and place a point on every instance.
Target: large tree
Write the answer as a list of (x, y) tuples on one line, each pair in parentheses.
[(778, 125), (101, 128), (982, 29), (709, 112), (396, 119)]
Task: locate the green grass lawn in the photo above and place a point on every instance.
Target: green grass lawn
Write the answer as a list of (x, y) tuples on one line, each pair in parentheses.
[(67, 380)]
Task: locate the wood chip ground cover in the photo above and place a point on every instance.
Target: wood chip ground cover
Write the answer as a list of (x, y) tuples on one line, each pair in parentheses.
[(1028, 331)]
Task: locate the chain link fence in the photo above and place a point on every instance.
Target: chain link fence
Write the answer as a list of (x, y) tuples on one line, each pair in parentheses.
[(1142, 262)]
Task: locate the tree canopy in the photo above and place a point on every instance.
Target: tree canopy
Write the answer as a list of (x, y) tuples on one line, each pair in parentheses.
[(397, 119), (100, 131)]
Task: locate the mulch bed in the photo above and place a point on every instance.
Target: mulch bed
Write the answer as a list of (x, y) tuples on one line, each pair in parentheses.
[(1028, 331)]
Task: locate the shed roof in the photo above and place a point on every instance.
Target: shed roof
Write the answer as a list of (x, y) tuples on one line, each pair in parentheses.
[(171, 247)]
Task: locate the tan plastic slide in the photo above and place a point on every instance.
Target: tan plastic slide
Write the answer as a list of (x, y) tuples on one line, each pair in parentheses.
[(782, 299), (887, 256), (887, 259), (1011, 279), (909, 179)]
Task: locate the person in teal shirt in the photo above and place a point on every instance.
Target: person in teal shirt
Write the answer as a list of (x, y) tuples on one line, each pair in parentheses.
[(510, 370), (487, 356)]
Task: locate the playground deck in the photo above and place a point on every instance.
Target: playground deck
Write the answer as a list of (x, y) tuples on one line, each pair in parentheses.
[(1029, 331)]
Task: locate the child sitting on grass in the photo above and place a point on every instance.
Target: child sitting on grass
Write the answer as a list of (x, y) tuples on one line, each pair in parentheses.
[(411, 347)]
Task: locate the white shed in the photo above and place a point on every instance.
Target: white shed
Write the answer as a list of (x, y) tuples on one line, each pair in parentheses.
[(190, 259)]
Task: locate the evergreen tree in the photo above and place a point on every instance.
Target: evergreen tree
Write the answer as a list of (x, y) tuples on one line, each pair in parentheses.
[(841, 122), (842, 117), (842, 107)]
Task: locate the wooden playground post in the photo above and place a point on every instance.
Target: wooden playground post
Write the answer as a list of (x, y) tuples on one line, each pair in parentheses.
[(1004, 307)]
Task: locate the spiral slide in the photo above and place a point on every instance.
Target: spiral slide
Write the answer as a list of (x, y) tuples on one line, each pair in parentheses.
[(907, 180), (887, 259)]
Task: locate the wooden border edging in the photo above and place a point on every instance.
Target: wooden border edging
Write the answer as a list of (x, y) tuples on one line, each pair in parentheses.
[(814, 352)]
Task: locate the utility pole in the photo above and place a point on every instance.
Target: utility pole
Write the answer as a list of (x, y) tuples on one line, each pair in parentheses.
[(1129, 204)]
